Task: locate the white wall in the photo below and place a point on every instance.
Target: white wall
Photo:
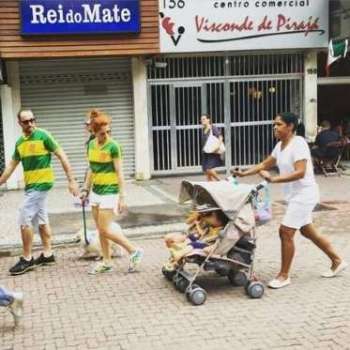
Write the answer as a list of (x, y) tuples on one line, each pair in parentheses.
[(340, 19), (142, 138), (310, 95), (10, 104)]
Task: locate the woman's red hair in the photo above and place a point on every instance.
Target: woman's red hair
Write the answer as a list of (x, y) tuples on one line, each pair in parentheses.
[(98, 119)]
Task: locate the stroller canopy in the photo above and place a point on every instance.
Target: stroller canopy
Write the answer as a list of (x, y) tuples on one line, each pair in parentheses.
[(223, 194)]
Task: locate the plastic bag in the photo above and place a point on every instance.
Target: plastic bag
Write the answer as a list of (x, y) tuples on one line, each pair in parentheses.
[(262, 206)]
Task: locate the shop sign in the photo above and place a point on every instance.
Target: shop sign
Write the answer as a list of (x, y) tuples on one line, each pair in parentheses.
[(229, 25), (45, 17)]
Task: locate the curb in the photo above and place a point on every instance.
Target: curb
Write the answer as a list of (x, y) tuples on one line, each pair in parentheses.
[(69, 239)]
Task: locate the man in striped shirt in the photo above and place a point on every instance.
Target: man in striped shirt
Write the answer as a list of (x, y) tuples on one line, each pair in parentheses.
[(34, 149)]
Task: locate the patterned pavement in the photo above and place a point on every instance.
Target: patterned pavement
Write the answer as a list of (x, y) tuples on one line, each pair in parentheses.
[(65, 308)]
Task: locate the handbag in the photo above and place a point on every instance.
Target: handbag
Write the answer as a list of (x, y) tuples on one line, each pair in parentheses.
[(213, 144)]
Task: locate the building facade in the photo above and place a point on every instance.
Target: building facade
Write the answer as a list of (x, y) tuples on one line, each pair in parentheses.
[(241, 62), (62, 70), (335, 86)]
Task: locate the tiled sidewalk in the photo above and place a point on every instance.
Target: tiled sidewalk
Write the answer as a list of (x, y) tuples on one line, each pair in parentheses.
[(67, 309)]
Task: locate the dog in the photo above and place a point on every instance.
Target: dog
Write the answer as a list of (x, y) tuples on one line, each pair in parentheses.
[(92, 248)]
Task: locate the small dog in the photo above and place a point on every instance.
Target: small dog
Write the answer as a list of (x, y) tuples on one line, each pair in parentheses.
[(92, 248)]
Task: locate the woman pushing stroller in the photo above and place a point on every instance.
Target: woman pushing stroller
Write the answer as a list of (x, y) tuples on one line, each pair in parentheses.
[(293, 158)]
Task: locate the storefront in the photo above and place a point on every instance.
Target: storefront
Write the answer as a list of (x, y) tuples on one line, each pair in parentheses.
[(65, 58), (61, 92), (242, 67)]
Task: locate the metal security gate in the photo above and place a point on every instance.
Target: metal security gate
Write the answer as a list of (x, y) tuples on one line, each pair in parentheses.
[(242, 94), (61, 92)]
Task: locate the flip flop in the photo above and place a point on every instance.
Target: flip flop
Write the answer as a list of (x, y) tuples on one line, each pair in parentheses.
[(332, 273), (277, 284)]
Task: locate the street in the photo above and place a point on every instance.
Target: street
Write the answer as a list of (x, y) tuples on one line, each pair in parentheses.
[(65, 308)]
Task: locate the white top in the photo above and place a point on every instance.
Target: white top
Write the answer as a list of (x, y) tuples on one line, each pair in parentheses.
[(306, 189)]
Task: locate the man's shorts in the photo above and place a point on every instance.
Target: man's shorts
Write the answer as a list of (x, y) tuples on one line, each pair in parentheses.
[(34, 209), (106, 201), (298, 214)]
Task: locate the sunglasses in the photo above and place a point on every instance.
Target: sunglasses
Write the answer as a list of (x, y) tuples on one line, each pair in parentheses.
[(28, 121)]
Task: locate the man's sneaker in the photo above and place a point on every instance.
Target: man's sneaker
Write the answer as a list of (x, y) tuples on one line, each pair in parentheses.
[(16, 307), (22, 266), (135, 260), (43, 260), (100, 267)]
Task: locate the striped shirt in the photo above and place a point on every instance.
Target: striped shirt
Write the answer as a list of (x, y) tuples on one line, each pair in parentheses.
[(104, 177), (34, 152)]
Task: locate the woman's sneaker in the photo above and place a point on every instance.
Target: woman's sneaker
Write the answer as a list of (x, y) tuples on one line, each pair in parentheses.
[(22, 266), (16, 307), (43, 260), (135, 259), (100, 267)]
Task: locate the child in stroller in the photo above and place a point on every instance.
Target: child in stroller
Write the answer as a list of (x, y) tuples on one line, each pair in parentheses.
[(205, 224), (227, 245)]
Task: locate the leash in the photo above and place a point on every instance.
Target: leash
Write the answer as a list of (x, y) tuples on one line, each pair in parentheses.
[(84, 222)]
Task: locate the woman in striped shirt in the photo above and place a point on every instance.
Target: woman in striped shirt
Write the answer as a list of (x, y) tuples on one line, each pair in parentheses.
[(105, 179)]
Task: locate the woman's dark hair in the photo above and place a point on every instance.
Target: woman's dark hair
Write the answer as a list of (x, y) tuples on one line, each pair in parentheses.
[(301, 129), (290, 119), (207, 116)]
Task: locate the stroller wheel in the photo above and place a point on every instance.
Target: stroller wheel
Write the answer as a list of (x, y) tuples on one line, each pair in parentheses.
[(247, 286), (255, 290), (175, 278), (168, 274), (189, 290), (197, 296), (238, 278), (181, 284)]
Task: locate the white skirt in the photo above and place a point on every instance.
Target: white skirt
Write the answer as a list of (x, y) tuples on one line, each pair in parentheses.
[(298, 214)]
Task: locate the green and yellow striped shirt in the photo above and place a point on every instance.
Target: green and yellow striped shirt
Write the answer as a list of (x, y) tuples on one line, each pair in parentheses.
[(104, 177), (34, 152)]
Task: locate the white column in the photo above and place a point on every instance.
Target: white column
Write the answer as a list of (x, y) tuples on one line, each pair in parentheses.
[(310, 95), (142, 137), (10, 104)]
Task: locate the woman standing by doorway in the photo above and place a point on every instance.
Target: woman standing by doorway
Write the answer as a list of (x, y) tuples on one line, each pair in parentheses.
[(210, 161), (105, 178), (293, 158)]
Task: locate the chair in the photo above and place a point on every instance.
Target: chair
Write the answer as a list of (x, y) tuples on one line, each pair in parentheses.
[(331, 166)]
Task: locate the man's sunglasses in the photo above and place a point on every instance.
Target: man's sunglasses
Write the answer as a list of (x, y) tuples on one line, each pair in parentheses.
[(26, 122)]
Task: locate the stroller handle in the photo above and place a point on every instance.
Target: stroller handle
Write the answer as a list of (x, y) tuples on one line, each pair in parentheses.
[(261, 185)]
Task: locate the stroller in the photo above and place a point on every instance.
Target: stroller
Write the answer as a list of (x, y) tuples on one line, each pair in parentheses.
[(232, 253)]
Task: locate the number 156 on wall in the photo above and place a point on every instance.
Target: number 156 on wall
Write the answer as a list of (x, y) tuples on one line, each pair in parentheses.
[(173, 4)]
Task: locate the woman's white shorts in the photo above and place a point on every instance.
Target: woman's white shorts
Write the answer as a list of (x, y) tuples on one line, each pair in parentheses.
[(298, 214), (106, 201)]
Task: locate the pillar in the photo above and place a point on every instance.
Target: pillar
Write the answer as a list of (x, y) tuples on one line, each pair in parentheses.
[(10, 105), (142, 133), (310, 95)]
